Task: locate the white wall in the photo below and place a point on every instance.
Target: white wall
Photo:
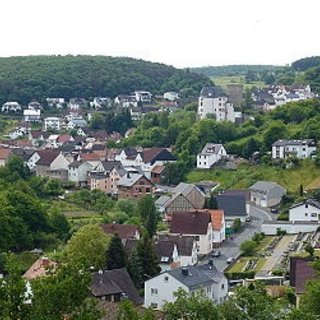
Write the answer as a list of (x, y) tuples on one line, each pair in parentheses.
[(60, 162), (304, 212), (290, 228)]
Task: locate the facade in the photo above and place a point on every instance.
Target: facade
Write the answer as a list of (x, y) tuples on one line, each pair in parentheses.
[(213, 101), (171, 204), (31, 115), (55, 102), (101, 102), (134, 185), (11, 106), (301, 149), (52, 123), (143, 96), (126, 101), (78, 172), (306, 211), (206, 277), (266, 193), (194, 195), (171, 96), (210, 154), (218, 226)]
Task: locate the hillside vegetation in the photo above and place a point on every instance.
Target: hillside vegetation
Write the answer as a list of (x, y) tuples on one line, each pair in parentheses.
[(37, 77)]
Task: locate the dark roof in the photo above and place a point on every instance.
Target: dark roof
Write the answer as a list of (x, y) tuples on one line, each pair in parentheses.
[(109, 165), (124, 231), (98, 146), (47, 156), (24, 154), (236, 192), (164, 249), (188, 222), (284, 142), (232, 205), (157, 154), (264, 186), (198, 276), (131, 153), (212, 92), (37, 134), (76, 164), (311, 202), (115, 281), (184, 243)]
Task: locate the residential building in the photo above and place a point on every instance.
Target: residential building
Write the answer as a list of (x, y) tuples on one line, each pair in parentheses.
[(52, 123), (41, 267), (78, 172), (170, 204), (5, 154), (161, 289), (266, 193), (37, 137), (77, 123), (55, 102), (77, 103), (194, 223), (98, 181), (218, 226), (11, 106), (233, 206), (130, 157), (171, 96), (126, 101), (34, 105), (308, 210), (18, 132), (101, 102), (195, 196), (114, 285), (210, 154), (31, 115), (124, 231), (213, 101), (134, 185), (143, 96), (301, 149), (159, 174)]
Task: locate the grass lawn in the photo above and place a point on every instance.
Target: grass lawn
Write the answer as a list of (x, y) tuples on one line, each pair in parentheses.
[(264, 243), (223, 81), (247, 174), (240, 264), (71, 210)]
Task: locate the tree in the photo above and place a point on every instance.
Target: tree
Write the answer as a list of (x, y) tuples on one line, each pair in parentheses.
[(211, 203), (127, 311), (310, 301), (53, 188), (273, 133), (236, 225), (115, 254), (87, 247), (60, 224), (309, 248), (97, 121), (148, 214), (191, 306), (135, 268), (248, 248)]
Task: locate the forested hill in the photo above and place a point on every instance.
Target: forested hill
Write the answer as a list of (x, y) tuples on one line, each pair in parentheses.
[(37, 77), (233, 70)]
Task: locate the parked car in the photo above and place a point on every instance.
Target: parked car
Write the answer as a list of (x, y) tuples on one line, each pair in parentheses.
[(274, 210), (215, 253), (248, 219), (229, 260)]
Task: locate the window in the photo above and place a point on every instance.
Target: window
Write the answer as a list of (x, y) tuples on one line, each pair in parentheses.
[(197, 238), (166, 279), (154, 291), (154, 305), (148, 190), (306, 214), (209, 289), (313, 215), (222, 286)]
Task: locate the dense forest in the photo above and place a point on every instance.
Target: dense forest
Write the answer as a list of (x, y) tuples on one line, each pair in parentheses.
[(37, 77), (306, 63)]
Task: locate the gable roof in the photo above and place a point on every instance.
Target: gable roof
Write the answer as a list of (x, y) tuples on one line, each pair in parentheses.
[(232, 205), (264, 186), (212, 92), (216, 219), (124, 231), (211, 148), (311, 202), (153, 154), (186, 188), (115, 281), (109, 165), (90, 156), (129, 179), (184, 243), (47, 156), (5, 153), (190, 222), (284, 142), (198, 275)]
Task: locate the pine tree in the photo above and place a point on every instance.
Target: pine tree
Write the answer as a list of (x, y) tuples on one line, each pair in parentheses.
[(211, 203), (115, 254), (148, 214), (135, 268)]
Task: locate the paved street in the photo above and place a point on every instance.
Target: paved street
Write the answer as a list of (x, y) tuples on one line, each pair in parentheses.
[(231, 248)]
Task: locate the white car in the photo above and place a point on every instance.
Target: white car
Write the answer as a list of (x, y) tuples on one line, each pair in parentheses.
[(229, 260)]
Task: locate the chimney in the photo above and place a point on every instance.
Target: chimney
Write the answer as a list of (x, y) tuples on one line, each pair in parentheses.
[(184, 271)]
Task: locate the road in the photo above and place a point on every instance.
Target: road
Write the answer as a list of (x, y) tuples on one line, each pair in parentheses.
[(231, 248)]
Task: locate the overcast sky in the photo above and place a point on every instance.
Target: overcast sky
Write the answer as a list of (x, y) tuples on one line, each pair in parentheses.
[(177, 32)]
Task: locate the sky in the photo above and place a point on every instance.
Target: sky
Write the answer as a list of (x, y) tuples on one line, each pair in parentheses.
[(183, 33)]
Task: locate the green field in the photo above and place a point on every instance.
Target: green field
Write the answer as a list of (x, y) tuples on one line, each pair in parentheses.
[(226, 80), (245, 175), (240, 264)]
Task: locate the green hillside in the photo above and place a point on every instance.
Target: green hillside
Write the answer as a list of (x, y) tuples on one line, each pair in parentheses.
[(37, 77)]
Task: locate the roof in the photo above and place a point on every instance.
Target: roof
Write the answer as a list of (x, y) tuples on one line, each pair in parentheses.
[(237, 192), (164, 249), (190, 222), (284, 142), (162, 200), (131, 153), (216, 219), (37, 134), (212, 92), (109, 165), (183, 243), (124, 231), (130, 179), (264, 186), (5, 153), (185, 188), (39, 268), (158, 169), (311, 202), (90, 156), (25, 154), (64, 138), (154, 154), (211, 148), (115, 281), (77, 164), (232, 205), (47, 156), (198, 276)]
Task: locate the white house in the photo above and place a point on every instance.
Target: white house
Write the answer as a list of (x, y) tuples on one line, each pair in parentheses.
[(213, 101), (143, 96), (11, 106), (171, 96), (31, 115), (192, 279), (210, 154), (305, 211), (77, 123), (34, 105), (18, 132), (194, 223), (53, 123), (55, 102), (78, 172), (218, 226), (77, 103), (129, 157), (126, 101), (100, 102), (302, 149)]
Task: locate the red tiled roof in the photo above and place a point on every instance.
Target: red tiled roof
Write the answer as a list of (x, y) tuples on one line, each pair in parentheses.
[(92, 156), (150, 153), (39, 269), (190, 222), (124, 231), (64, 138), (47, 156), (5, 153), (157, 169), (216, 219)]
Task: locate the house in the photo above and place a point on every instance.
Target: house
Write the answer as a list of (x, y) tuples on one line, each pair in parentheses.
[(195, 196), (5, 154), (143, 96), (161, 289), (77, 103), (56, 140), (301, 271), (52, 164), (124, 231), (98, 181), (308, 210), (101, 102), (52, 123), (126, 101), (114, 285), (194, 223), (214, 102), (11, 106), (175, 251), (266, 193), (31, 115), (301, 149), (77, 123), (78, 172), (171, 96), (34, 105), (55, 102), (18, 132), (42, 267), (218, 226), (210, 154), (233, 206), (134, 185), (129, 157), (170, 204), (26, 155), (37, 137), (159, 174)]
